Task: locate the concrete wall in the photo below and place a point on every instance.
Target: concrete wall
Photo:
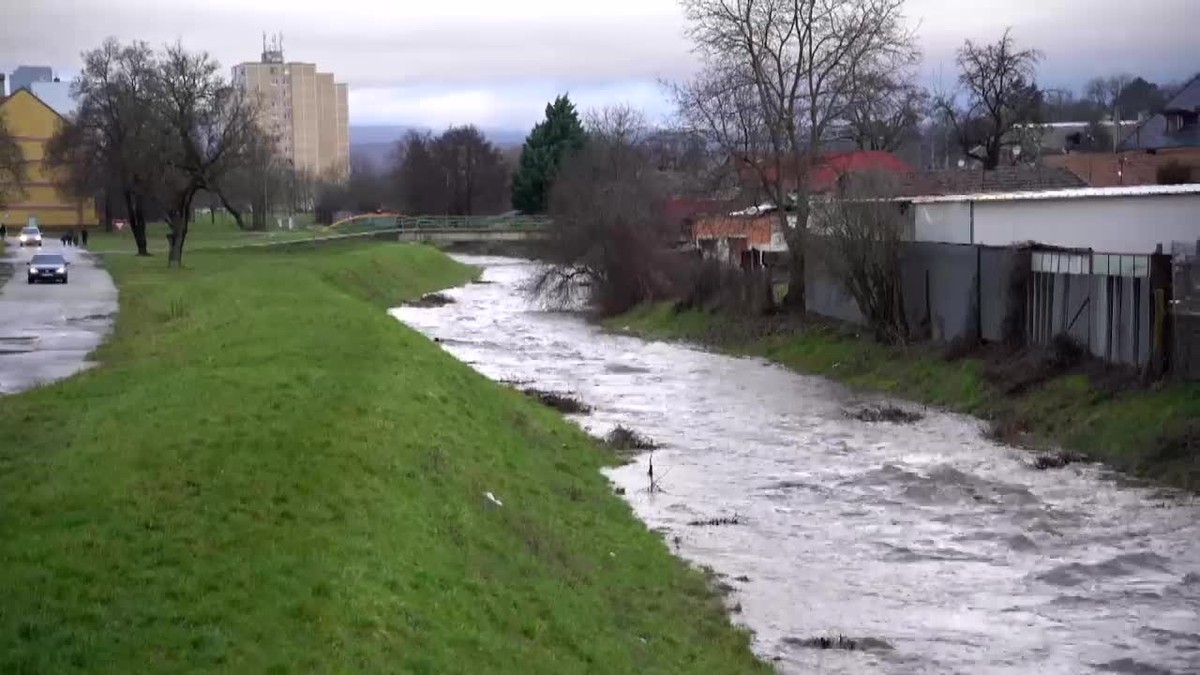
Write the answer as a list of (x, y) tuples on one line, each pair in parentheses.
[(1128, 224), (1110, 224), (946, 222)]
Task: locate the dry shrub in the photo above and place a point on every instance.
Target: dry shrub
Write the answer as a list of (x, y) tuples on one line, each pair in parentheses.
[(711, 285), (624, 438), (609, 245), (1018, 372)]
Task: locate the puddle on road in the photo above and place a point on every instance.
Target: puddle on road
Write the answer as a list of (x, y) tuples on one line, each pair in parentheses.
[(921, 536)]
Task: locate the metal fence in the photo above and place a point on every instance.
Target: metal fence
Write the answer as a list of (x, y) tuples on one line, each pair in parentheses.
[(1115, 305), (393, 221), (1185, 311)]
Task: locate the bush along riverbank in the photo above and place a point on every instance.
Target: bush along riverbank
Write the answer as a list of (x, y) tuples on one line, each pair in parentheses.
[(1045, 400), (268, 473)]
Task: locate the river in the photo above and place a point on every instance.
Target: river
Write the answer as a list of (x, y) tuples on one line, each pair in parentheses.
[(947, 548)]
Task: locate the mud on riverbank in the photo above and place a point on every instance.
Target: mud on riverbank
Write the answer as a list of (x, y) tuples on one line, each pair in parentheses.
[(1040, 399)]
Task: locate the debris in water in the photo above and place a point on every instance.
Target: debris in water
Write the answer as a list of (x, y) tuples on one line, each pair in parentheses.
[(742, 578), (885, 413), (840, 642), (623, 438), (431, 300), (711, 522), (560, 402), (619, 491), (1057, 460)]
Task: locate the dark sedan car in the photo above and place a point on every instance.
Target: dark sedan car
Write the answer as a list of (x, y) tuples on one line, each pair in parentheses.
[(48, 267)]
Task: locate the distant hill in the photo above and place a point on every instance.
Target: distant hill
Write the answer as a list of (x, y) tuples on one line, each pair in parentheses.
[(375, 143)]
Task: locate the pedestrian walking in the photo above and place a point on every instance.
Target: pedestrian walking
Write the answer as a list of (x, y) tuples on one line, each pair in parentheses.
[(85, 237), (3, 231)]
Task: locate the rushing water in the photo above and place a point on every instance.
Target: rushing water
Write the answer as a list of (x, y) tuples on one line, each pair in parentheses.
[(945, 546)]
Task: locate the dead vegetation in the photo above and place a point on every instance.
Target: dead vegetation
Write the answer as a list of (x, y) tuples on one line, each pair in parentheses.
[(1057, 460), (711, 285), (715, 522), (625, 439), (563, 403), (431, 300), (885, 413), (840, 642)]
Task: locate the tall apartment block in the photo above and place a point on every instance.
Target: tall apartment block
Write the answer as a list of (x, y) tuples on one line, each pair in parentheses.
[(305, 110)]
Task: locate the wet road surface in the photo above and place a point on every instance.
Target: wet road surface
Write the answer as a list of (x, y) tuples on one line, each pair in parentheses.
[(48, 330), (946, 552)]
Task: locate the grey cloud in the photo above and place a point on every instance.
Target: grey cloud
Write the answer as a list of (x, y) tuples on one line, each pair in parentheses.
[(391, 52)]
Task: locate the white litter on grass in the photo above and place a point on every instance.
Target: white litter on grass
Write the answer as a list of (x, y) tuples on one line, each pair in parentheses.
[(492, 498)]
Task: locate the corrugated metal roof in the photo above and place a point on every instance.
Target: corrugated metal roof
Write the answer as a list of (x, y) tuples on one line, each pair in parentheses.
[(1074, 193)]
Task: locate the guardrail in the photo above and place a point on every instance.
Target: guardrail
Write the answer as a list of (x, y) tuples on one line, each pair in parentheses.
[(395, 221)]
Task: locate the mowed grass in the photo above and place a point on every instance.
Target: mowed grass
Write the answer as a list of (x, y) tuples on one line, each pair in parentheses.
[(1147, 432), (270, 475), (204, 233)]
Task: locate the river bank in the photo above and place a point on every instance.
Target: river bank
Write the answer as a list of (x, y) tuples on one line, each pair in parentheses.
[(267, 473), (927, 546), (1030, 400)]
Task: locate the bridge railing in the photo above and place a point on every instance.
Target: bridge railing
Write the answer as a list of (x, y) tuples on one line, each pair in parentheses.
[(392, 221)]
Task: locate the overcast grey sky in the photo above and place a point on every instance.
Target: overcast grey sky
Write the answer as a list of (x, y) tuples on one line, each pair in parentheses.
[(496, 62)]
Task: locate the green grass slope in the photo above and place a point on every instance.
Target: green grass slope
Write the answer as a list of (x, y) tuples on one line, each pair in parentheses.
[(270, 475)]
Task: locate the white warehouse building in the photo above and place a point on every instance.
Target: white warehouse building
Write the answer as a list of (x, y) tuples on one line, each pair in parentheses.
[(1134, 219)]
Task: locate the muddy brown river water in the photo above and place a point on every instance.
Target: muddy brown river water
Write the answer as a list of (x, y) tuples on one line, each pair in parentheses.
[(937, 549)]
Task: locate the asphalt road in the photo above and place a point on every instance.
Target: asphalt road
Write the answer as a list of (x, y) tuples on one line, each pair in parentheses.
[(48, 330)]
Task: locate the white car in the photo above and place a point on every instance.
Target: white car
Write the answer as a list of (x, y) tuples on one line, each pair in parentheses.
[(30, 236)]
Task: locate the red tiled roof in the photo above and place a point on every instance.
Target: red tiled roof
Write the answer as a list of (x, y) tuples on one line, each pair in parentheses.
[(755, 230), (831, 165), (977, 181), (678, 209), (1127, 168)]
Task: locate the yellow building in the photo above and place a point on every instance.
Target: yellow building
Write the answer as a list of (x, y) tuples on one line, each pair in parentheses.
[(33, 124)]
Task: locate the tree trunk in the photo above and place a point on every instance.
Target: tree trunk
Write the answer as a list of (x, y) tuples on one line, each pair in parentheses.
[(793, 301), (178, 221), (237, 215), (137, 223)]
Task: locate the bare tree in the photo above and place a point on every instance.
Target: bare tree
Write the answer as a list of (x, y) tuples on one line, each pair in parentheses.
[(783, 72), (208, 130), (609, 243), (1105, 94), (418, 187), (113, 144), (885, 111), (261, 184), (473, 171), (860, 234), (997, 99), (12, 166)]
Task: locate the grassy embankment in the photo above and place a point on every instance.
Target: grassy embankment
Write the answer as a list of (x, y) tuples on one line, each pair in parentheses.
[(1149, 432), (269, 474), (204, 233)]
